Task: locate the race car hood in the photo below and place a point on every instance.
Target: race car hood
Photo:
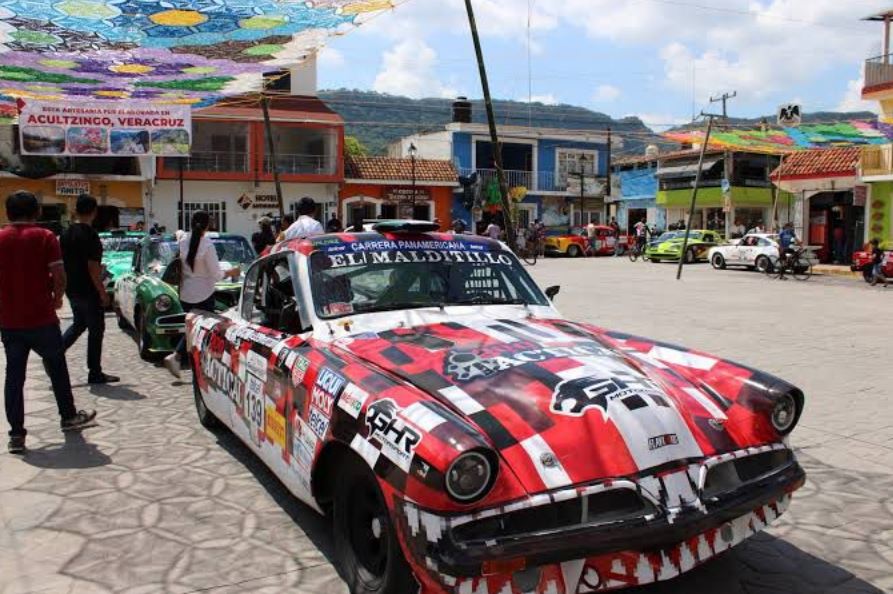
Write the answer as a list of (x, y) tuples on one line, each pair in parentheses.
[(565, 404)]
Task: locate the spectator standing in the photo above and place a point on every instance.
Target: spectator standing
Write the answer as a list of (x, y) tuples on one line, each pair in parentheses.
[(592, 236), (33, 283), (458, 226), (334, 225), (305, 226), (493, 231), (82, 254), (287, 221), (200, 274), (264, 238)]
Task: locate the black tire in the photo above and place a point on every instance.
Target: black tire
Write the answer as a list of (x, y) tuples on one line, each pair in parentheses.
[(718, 262), (122, 323), (633, 255), (529, 256), (690, 257), (142, 338), (574, 251), (205, 416), (366, 546), (802, 271), (763, 264)]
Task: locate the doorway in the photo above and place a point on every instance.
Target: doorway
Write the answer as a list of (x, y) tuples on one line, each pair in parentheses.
[(836, 225)]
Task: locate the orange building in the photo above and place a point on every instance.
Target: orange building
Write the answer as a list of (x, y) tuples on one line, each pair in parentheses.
[(383, 188)]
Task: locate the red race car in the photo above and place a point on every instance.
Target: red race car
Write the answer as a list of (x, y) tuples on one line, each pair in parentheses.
[(862, 261), (421, 389)]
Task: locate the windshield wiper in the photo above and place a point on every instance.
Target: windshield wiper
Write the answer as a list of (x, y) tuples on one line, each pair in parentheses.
[(399, 306)]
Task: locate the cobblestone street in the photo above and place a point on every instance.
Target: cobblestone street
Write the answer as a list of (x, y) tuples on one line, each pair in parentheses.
[(149, 501)]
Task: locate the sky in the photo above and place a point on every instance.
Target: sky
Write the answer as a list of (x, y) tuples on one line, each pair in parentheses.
[(660, 60)]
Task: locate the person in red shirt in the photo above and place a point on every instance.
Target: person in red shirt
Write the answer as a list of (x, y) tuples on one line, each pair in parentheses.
[(32, 283)]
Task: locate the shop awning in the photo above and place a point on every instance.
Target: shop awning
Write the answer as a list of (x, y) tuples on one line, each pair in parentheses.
[(685, 170)]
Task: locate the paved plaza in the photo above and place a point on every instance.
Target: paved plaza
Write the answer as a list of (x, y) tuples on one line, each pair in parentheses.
[(148, 501)]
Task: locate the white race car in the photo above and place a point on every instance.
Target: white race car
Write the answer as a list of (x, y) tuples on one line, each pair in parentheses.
[(755, 251)]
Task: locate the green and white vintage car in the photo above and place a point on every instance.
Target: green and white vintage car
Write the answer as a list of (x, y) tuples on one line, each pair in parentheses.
[(147, 300), (118, 249)]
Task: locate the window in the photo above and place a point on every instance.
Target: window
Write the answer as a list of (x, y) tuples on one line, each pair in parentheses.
[(269, 295), (589, 216), (388, 211), (421, 212), (570, 162), (216, 210)]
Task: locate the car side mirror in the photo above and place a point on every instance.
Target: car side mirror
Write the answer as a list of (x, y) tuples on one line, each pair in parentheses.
[(552, 292)]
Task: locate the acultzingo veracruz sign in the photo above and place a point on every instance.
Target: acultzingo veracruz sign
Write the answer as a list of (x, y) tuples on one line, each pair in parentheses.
[(104, 129)]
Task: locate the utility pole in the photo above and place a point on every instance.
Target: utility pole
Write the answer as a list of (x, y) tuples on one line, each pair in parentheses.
[(271, 148), (494, 136), (608, 175), (724, 98), (694, 192)]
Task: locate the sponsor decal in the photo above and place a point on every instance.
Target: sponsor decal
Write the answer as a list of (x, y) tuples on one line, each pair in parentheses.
[(352, 400), (304, 443), (339, 309), (322, 401), (662, 441), (238, 334), (299, 369), (275, 425), (467, 366), (223, 378), (398, 440), (257, 364), (318, 422), (255, 407), (326, 389), (574, 397), (431, 256), (717, 424)]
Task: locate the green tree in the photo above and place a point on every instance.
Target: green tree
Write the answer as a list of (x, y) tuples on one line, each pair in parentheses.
[(354, 148)]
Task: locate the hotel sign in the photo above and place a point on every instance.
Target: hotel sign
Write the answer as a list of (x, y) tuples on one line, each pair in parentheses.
[(405, 194)]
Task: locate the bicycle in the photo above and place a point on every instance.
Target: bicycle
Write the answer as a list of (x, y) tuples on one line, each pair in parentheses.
[(528, 253), (636, 252), (795, 263)]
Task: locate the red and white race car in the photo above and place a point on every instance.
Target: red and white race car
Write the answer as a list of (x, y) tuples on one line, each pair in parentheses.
[(421, 389)]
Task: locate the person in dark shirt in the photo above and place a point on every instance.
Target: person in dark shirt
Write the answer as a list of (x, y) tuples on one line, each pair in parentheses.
[(32, 282), (877, 259), (333, 225), (82, 252), (264, 238)]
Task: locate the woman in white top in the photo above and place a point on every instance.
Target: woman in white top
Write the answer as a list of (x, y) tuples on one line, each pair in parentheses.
[(201, 272)]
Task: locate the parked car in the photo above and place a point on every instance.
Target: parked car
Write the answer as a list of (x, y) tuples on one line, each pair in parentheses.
[(572, 245), (863, 261), (757, 251), (118, 250), (423, 391), (146, 298), (668, 247)]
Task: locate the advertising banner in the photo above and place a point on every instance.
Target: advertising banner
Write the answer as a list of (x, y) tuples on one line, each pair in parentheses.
[(104, 129)]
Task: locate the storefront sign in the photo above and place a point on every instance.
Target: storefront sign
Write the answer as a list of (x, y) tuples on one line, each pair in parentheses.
[(72, 187), (405, 194), (258, 201), (98, 129), (790, 115)]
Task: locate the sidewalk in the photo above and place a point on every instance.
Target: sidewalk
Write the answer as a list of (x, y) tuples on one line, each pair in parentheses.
[(836, 270)]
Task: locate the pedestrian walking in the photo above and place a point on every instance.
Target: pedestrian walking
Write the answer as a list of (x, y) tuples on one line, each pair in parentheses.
[(200, 274), (33, 283), (263, 238), (306, 225), (82, 254)]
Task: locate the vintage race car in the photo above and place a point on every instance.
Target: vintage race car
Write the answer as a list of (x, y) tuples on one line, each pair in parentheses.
[(464, 437), (862, 261), (118, 249), (668, 247), (576, 245), (757, 251), (146, 297)]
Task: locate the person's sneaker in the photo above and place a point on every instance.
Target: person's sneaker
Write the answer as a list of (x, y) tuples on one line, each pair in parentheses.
[(16, 445), (103, 378), (79, 421), (172, 364)]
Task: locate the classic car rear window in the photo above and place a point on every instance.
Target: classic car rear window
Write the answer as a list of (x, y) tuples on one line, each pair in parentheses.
[(353, 280)]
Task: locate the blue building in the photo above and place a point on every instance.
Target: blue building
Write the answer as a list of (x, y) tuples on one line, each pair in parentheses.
[(543, 169), (634, 192)]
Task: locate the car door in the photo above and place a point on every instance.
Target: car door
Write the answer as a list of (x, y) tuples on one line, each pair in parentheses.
[(125, 290)]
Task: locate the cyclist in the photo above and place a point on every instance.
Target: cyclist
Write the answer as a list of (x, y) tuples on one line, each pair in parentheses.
[(641, 230), (787, 239)]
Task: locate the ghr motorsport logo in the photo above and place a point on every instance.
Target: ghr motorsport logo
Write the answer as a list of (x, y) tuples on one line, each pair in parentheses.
[(398, 439), (467, 366), (574, 397)]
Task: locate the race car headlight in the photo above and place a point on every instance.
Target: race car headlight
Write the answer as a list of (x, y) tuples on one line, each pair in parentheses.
[(163, 303), (784, 414), (470, 477)]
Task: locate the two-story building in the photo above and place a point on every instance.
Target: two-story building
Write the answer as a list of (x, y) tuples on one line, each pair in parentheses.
[(735, 190), (876, 166), (634, 191), (543, 169), (229, 172)]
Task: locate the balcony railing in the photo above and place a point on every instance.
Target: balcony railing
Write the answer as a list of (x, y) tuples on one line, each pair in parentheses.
[(879, 70), (302, 164), (876, 160), (211, 162)]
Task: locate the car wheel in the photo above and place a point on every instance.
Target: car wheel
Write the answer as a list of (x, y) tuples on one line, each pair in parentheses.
[(718, 261), (143, 340), (366, 545), (205, 416), (574, 251), (690, 256), (122, 323), (763, 264)]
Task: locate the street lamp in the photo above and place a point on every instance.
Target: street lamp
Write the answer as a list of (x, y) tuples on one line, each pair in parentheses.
[(413, 151), (582, 174)]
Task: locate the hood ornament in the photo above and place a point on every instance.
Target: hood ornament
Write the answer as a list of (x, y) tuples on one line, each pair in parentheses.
[(548, 460)]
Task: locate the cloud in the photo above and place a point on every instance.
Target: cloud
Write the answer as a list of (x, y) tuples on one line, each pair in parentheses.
[(548, 99), (852, 99), (408, 69), (606, 93), (330, 58)]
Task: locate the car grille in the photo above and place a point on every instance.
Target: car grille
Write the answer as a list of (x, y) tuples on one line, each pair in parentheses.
[(730, 475), (172, 320), (597, 509)]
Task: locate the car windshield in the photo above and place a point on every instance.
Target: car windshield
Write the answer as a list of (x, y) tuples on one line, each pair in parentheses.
[(232, 250), (679, 235), (349, 280), (158, 255), (235, 250), (120, 244)]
